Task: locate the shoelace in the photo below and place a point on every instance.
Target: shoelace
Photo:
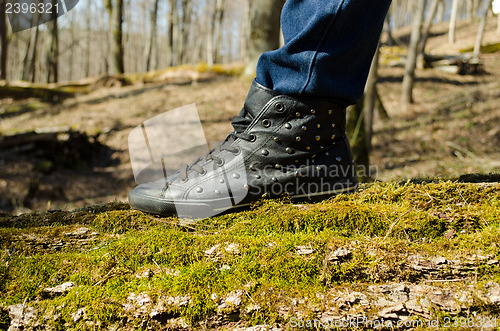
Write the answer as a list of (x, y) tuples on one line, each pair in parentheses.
[(239, 123)]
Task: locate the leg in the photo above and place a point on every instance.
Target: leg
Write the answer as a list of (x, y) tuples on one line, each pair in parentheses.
[(329, 45)]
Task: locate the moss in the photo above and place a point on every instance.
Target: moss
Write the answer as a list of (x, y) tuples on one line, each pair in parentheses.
[(257, 252), (485, 49)]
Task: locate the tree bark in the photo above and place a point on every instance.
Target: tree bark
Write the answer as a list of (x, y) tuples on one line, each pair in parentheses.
[(264, 30), (245, 35), (356, 130), (426, 31), (218, 20), (53, 55), (482, 26), (453, 21), (371, 98), (411, 61), (152, 35), (3, 40), (89, 39), (118, 52), (32, 66)]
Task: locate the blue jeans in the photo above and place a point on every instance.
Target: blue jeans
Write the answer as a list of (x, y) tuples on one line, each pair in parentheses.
[(329, 46)]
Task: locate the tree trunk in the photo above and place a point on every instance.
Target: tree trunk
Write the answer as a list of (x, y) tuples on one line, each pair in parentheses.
[(411, 61), (441, 11), (356, 130), (426, 31), (264, 30), (482, 26), (32, 67), (453, 21), (89, 39), (3, 40), (218, 20), (152, 36), (118, 52), (371, 98), (53, 55), (388, 30), (172, 33), (245, 35)]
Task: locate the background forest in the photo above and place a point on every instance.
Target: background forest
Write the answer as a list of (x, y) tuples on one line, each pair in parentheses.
[(101, 37)]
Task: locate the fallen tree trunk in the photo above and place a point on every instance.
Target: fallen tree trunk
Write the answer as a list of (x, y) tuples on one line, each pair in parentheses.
[(462, 64)]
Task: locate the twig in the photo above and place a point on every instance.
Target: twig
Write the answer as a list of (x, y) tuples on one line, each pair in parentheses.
[(444, 280), (396, 222), (105, 278), (462, 196), (182, 225)]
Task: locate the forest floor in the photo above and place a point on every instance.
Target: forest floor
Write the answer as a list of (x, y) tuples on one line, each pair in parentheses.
[(399, 250)]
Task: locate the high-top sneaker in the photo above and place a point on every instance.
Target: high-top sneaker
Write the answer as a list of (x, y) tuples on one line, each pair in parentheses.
[(281, 145)]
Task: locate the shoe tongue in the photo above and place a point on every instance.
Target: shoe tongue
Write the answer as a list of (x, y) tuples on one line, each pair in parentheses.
[(257, 98)]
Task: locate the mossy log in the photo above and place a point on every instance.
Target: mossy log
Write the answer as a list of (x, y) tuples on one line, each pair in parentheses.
[(462, 64), (48, 94), (424, 251)]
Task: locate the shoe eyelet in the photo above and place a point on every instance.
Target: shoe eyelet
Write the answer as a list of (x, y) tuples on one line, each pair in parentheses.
[(253, 138), (238, 152), (204, 172), (279, 107), (184, 180), (219, 163), (266, 123)]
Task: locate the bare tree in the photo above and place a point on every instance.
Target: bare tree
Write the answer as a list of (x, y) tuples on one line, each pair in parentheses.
[(53, 54), (264, 30), (116, 16), (371, 98), (411, 61), (152, 35), (89, 38), (217, 21), (3, 40), (453, 21), (426, 30), (480, 34)]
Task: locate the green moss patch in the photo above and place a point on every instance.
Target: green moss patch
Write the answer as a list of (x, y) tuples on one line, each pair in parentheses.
[(134, 270)]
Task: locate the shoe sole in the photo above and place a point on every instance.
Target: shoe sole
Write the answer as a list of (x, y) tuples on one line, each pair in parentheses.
[(200, 209)]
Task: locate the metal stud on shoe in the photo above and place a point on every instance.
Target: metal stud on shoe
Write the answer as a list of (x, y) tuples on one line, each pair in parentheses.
[(338, 159), (265, 152), (276, 139), (330, 112), (236, 176), (289, 150), (288, 126), (313, 111), (298, 139), (304, 128), (318, 138), (199, 190)]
